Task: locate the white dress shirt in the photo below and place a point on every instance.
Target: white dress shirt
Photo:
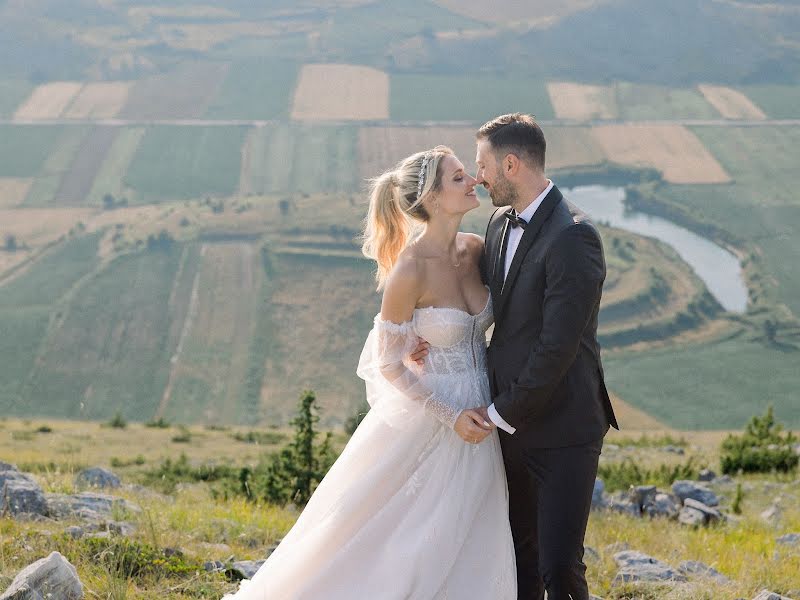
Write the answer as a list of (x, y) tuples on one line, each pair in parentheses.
[(514, 236)]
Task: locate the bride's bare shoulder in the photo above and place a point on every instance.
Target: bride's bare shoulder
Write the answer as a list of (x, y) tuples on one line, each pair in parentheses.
[(403, 288)]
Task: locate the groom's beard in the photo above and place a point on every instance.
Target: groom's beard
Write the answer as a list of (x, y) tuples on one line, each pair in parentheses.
[(502, 192)]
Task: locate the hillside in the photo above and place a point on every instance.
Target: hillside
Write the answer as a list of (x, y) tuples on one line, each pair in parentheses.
[(159, 165)]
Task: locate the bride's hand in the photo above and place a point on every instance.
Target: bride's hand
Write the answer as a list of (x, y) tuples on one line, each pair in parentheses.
[(472, 427), (420, 352)]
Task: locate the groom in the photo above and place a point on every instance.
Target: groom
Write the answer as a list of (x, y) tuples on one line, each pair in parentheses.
[(544, 263)]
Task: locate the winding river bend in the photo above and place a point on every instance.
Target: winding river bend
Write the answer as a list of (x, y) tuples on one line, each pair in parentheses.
[(719, 269)]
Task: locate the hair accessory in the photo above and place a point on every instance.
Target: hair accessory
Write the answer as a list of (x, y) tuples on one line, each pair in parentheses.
[(421, 177)]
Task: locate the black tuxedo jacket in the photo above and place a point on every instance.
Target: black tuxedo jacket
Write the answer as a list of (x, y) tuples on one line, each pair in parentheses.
[(544, 358)]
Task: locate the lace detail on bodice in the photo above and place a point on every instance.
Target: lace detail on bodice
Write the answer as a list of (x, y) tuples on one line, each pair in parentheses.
[(398, 387), (457, 338)]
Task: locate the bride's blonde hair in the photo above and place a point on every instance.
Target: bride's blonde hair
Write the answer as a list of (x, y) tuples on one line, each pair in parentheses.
[(396, 213)]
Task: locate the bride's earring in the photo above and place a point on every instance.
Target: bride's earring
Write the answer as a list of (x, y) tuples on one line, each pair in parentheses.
[(436, 206)]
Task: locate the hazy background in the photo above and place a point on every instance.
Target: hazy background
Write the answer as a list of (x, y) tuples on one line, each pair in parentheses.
[(181, 185)]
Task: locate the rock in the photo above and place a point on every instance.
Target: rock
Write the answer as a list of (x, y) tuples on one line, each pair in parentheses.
[(52, 577), (662, 505), (591, 554), (724, 479), (75, 532), (245, 569), (642, 494), (637, 566), (96, 477), (767, 595), (773, 515), (4, 466), (691, 516), (622, 504), (124, 528), (706, 475), (598, 494), (89, 506), (790, 539), (674, 449), (214, 565), (693, 567), (712, 514), (684, 489), (19, 493)]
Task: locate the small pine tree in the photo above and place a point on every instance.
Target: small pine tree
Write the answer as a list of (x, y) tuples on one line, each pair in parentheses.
[(761, 449)]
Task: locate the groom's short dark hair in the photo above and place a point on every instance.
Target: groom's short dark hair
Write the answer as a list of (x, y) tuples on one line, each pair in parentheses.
[(516, 133)]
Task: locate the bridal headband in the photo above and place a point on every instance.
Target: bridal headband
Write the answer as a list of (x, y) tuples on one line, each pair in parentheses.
[(421, 178)]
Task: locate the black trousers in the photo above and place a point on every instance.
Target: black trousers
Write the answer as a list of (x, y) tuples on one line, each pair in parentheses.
[(550, 495)]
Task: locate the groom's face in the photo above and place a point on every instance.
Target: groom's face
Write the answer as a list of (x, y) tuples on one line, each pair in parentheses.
[(490, 175)]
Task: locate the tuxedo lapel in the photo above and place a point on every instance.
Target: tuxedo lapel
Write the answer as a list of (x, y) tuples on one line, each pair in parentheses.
[(497, 270), (526, 241)]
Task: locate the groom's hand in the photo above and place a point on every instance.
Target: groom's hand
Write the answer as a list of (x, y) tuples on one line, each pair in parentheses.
[(420, 352), (472, 427)]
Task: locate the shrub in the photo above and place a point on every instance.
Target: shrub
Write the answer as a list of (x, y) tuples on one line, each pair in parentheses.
[(761, 449), (160, 423), (622, 475), (118, 422)]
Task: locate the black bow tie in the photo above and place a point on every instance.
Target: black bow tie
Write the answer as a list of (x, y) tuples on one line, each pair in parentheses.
[(514, 219)]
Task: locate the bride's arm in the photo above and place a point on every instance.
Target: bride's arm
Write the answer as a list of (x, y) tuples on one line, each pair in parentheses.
[(396, 337)]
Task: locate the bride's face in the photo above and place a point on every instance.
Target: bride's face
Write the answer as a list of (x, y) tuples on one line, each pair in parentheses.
[(457, 193)]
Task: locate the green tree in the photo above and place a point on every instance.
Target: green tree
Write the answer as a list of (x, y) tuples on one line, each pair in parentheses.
[(761, 449), (293, 474)]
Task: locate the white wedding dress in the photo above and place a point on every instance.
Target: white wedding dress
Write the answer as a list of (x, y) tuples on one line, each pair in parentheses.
[(409, 510)]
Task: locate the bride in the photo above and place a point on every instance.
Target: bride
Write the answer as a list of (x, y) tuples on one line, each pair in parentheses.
[(416, 506)]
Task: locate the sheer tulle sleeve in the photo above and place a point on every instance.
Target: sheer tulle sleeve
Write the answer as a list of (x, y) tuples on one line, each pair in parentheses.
[(394, 388)]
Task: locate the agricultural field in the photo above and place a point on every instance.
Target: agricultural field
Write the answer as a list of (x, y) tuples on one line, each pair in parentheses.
[(296, 158), (777, 101), (13, 191), (581, 102), (48, 101), (731, 104), (12, 93), (24, 148), (637, 102), (340, 92), (78, 179), (110, 176), (185, 162), (56, 166), (709, 385), (672, 149), (99, 100), (255, 89), (184, 93), (570, 147), (473, 98)]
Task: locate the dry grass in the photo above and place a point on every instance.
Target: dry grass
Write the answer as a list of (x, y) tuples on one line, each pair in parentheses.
[(540, 13), (571, 147), (672, 149), (99, 100), (731, 104), (203, 37), (13, 191), (48, 100), (581, 102), (633, 419), (341, 92), (379, 148)]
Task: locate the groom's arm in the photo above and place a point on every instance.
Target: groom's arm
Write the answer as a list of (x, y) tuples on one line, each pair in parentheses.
[(574, 271)]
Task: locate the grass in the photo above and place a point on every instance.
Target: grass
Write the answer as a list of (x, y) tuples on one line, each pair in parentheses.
[(465, 97), (205, 527), (708, 386), (185, 162), (120, 321), (255, 89)]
